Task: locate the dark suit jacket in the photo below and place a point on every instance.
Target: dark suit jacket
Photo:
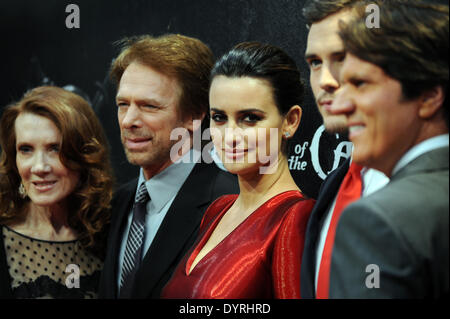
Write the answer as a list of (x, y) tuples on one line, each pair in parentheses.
[(327, 193), (175, 236), (401, 231)]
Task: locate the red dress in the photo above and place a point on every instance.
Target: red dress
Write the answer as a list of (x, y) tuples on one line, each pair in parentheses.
[(259, 259)]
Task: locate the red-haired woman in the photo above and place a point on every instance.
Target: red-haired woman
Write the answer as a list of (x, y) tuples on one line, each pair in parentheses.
[(55, 189)]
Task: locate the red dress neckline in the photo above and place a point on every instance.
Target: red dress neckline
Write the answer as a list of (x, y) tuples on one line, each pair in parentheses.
[(212, 227)]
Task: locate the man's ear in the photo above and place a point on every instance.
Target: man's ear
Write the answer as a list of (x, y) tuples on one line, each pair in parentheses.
[(292, 120), (432, 101)]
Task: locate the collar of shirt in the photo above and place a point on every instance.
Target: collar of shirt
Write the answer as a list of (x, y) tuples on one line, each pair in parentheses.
[(372, 179), (164, 186), (420, 149)]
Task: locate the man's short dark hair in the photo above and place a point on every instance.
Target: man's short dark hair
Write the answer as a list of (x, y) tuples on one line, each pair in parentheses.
[(317, 10), (410, 46)]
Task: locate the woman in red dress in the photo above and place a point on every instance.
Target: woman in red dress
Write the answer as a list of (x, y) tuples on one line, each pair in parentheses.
[(250, 245)]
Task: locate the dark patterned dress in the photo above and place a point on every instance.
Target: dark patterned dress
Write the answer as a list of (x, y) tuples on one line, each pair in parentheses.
[(49, 269)]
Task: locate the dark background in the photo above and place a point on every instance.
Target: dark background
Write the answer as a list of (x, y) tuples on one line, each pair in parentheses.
[(38, 48)]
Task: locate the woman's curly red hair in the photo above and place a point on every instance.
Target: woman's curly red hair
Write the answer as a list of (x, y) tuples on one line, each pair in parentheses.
[(84, 150)]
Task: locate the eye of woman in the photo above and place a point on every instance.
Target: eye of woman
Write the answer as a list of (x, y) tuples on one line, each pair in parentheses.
[(55, 148), (24, 149), (219, 117), (251, 118)]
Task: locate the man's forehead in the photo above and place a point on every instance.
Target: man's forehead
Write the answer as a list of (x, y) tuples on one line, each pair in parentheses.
[(355, 67), (327, 44), (139, 79), (324, 34), (140, 74)]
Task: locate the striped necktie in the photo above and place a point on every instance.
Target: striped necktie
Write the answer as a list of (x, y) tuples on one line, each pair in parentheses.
[(133, 251)]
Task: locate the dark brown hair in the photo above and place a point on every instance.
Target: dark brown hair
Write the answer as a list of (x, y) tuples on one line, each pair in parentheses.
[(186, 59), (316, 10), (268, 62), (83, 149), (410, 46)]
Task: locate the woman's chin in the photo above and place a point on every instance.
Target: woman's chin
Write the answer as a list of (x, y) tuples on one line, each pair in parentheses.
[(242, 168), (42, 202)]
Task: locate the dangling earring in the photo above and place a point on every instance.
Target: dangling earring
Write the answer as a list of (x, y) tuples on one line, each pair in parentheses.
[(22, 191)]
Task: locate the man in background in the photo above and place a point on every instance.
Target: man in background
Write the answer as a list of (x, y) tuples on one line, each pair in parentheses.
[(325, 54)]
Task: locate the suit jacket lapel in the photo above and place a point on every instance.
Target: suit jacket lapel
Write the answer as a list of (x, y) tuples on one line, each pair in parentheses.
[(327, 193), (180, 224)]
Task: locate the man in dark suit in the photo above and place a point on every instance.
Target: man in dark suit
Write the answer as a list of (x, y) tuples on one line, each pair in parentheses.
[(324, 55), (162, 95), (394, 93)]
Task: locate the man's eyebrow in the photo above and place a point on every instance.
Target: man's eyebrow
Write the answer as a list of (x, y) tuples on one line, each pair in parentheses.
[(352, 77), (139, 101), (310, 56), (338, 53)]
